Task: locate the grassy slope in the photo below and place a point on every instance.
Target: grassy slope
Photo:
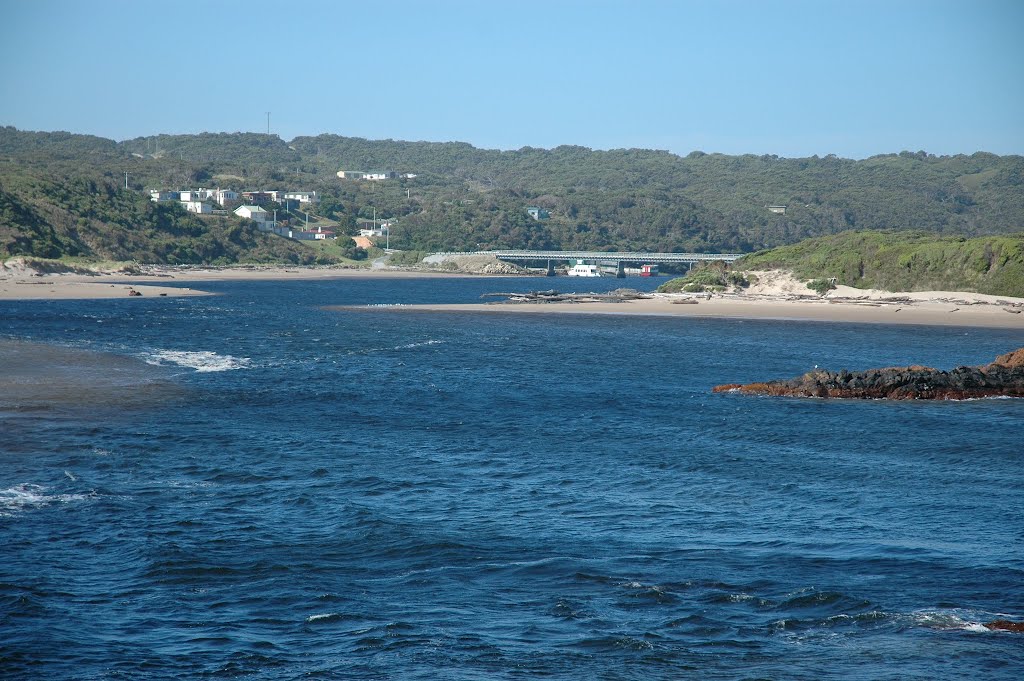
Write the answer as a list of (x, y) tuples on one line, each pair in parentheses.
[(904, 261)]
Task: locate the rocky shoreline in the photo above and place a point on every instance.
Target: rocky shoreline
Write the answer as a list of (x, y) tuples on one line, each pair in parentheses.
[(1004, 377)]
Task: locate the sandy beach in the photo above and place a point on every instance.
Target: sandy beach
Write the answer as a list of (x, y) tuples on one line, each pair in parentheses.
[(18, 282), (923, 313), (777, 295)]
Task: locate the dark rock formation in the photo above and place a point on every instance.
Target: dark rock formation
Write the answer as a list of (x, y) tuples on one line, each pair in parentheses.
[(1002, 378), (1006, 625)]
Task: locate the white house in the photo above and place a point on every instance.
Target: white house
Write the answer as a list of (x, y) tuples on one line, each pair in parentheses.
[(380, 175), (303, 197), (253, 213), (190, 195), (223, 196), (156, 196), (319, 235), (200, 207), (408, 176), (350, 174)]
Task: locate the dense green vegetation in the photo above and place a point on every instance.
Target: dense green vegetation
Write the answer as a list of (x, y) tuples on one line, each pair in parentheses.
[(904, 261), (64, 194), (86, 214), (713, 276)]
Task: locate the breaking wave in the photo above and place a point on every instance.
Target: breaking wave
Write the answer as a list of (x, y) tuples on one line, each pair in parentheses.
[(201, 360)]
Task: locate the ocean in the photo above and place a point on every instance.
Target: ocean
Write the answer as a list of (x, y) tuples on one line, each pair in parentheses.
[(256, 485)]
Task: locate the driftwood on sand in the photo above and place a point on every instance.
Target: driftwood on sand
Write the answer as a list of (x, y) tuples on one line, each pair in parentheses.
[(553, 296)]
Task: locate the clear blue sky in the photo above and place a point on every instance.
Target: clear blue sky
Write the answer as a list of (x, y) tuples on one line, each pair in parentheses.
[(793, 77)]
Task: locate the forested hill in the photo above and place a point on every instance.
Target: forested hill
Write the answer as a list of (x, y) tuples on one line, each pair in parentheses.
[(626, 199)]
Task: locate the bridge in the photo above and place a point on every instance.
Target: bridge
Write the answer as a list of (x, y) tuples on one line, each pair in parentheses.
[(619, 260)]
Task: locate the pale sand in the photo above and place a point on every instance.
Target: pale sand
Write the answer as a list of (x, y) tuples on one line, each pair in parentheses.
[(52, 287), (931, 313), (20, 283)]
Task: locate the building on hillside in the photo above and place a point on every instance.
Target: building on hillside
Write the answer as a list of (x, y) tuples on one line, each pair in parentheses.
[(303, 197), (409, 176), (156, 196), (377, 175), (319, 234), (225, 196), (537, 213), (254, 213), (781, 210), (198, 207), (351, 174), (258, 198)]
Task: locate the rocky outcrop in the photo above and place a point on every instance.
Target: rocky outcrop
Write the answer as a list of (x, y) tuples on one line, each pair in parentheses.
[(1002, 378), (1006, 625)]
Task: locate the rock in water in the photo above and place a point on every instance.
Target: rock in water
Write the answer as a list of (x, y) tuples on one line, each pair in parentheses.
[(1002, 378), (1006, 625)]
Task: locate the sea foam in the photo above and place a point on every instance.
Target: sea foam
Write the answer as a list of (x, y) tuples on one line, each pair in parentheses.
[(28, 496), (202, 360)]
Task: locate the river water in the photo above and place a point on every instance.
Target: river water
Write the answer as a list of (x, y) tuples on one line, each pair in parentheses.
[(254, 486)]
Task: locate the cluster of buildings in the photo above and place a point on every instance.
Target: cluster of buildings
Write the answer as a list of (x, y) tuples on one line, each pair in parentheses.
[(267, 222), (249, 206), (201, 200)]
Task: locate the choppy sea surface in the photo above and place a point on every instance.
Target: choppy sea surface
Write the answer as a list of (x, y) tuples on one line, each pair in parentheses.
[(252, 486)]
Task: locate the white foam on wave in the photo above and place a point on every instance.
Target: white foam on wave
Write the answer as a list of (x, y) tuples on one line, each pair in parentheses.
[(201, 360), (948, 620), (407, 346), (27, 496), (323, 616)]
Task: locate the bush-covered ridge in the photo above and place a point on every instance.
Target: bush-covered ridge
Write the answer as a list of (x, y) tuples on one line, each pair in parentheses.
[(904, 261), (465, 198)]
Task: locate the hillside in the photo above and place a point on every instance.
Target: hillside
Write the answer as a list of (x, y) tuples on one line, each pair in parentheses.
[(910, 261), (92, 217), (464, 198)]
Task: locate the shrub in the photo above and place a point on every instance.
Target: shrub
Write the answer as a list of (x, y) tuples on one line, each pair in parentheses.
[(821, 286)]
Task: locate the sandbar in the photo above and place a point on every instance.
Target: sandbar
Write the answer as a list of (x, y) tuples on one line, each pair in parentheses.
[(921, 312), (21, 283)]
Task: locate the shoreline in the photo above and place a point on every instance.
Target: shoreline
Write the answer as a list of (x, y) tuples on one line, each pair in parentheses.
[(910, 312), (779, 303), (160, 281)]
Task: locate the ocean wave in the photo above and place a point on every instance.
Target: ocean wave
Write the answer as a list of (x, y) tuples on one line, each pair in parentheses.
[(27, 496), (326, 616), (406, 346), (950, 620), (201, 360)]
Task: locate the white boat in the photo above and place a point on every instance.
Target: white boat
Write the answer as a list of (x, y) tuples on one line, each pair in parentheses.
[(581, 270)]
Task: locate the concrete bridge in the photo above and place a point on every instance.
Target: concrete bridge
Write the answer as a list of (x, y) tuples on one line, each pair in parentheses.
[(619, 260)]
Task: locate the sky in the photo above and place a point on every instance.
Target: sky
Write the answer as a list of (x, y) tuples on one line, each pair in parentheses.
[(793, 78)]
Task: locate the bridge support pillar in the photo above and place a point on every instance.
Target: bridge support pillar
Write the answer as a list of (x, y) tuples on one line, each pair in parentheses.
[(551, 268), (621, 270)]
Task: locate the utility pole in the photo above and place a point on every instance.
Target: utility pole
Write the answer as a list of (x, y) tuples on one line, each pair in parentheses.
[(126, 179), (268, 122)]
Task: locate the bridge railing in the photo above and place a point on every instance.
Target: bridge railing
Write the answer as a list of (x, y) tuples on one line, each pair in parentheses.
[(600, 256)]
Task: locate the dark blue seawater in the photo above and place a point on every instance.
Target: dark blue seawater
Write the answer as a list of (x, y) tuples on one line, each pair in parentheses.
[(252, 486)]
